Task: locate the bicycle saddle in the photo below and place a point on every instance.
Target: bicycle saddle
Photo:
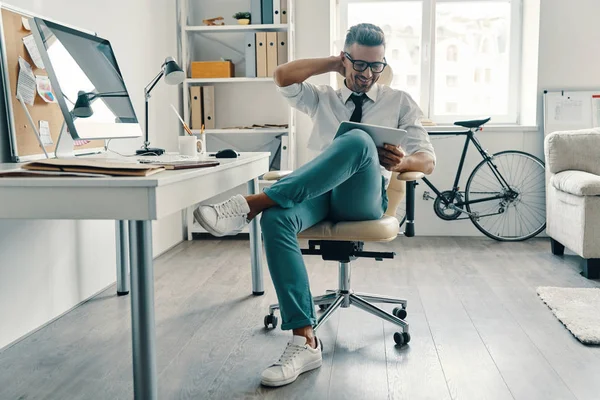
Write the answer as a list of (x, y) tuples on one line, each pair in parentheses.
[(473, 123)]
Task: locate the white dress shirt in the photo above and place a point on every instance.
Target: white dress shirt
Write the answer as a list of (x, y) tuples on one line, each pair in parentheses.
[(383, 106)]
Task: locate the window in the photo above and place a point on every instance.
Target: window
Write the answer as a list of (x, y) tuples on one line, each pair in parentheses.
[(449, 52), (451, 108)]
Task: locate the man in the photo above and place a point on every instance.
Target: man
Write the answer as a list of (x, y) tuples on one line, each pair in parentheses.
[(347, 181)]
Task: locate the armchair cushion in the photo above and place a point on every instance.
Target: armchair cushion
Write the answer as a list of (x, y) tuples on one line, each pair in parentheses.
[(380, 230), (578, 183)]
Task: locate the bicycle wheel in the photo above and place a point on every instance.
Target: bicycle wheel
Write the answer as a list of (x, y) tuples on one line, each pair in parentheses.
[(520, 213)]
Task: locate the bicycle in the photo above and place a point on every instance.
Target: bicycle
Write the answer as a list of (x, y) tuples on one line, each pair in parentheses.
[(505, 195)]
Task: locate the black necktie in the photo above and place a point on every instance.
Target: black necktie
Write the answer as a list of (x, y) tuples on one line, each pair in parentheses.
[(358, 102)]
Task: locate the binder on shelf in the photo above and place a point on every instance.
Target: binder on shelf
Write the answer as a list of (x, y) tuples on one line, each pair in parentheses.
[(261, 54), (282, 48), (267, 11), (255, 12), (250, 55), (276, 11), (208, 102), (283, 12), (271, 53), (196, 107), (284, 152)]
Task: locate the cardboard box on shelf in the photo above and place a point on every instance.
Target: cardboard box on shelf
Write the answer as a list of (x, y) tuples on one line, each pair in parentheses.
[(212, 69)]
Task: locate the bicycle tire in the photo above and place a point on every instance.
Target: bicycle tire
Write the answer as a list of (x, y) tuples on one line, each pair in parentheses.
[(469, 195)]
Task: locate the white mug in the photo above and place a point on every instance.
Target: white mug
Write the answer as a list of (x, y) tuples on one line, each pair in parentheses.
[(190, 145)]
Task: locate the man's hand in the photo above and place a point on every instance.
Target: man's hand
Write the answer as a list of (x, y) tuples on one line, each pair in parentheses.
[(341, 69), (391, 157)]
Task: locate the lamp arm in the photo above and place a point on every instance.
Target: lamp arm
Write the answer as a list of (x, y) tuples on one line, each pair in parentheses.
[(109, 94), (153, 83)]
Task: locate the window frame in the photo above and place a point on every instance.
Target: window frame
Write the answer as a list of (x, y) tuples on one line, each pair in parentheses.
[(428, 23)]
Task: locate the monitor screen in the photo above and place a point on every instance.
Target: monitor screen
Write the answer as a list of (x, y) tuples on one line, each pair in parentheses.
[(83, 70)]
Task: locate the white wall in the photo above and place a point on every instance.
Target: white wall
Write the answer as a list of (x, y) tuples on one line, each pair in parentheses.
[(568, 57), (569, 37), (50, 266)]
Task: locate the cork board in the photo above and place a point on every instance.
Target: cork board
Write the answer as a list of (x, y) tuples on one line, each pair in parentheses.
[(24, 143)]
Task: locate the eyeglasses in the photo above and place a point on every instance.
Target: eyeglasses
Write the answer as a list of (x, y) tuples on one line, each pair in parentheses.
[(360, 65)]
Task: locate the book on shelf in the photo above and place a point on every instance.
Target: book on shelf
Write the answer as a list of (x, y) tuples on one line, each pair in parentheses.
[(268, 12)]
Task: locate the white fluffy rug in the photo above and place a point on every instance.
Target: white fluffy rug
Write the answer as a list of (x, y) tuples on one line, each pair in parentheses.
[(577, 308)]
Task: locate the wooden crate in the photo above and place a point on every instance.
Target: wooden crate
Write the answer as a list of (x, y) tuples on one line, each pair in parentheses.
[(213, 69)]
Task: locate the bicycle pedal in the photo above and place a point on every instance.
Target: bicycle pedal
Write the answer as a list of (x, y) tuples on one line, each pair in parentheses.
[(427, 196)]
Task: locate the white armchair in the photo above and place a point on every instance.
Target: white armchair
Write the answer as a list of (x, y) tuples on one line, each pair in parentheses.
[(573, 195)]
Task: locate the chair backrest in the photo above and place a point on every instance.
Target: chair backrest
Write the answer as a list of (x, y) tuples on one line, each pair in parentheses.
[(396, 191)]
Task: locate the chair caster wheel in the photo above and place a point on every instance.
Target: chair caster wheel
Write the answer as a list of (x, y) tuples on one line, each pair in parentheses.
[(323, 307), (401, 338), (399, 312), (270, 319)]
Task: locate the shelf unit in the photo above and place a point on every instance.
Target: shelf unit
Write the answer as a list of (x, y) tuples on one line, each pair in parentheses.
[(189, 34)]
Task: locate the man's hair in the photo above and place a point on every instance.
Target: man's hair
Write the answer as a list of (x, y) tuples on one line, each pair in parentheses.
[(365, 35)]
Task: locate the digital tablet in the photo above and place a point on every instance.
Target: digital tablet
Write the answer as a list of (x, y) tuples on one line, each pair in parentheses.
[(380, 134)]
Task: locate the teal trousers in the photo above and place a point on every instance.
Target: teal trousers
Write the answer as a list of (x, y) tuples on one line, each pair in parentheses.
[(343, 183)]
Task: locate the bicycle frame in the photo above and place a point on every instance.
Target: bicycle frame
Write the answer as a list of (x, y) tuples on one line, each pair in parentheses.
[(470, 138)]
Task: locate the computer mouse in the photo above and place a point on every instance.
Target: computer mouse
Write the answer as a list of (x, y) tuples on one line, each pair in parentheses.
[(226, 153)]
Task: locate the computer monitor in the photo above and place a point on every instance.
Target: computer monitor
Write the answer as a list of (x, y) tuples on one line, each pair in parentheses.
[(83, 70)]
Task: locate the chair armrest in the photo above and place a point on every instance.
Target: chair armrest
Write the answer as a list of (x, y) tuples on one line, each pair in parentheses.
[(276, 175), (410, 176), (573, 150)]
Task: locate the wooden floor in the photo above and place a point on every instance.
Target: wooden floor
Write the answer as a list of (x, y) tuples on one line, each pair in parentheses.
[(479, 331)]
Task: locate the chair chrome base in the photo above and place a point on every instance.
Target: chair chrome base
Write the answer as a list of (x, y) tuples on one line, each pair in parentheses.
[(345, 297)]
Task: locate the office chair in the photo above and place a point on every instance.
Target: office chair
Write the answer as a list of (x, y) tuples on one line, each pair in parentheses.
[(344, 242)]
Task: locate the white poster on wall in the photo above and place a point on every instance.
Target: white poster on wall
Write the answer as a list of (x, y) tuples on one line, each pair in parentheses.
[(596, 110)]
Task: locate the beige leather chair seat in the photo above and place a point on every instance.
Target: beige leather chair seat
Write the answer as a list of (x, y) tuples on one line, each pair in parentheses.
[(384, 229), (381, 230)]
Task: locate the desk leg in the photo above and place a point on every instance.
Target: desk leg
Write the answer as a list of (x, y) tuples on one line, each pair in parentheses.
[(122, 258), (410, 209), (256, 247), (142, 311)]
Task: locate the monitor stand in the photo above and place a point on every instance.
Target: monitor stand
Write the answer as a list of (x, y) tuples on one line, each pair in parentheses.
[(64, 144)]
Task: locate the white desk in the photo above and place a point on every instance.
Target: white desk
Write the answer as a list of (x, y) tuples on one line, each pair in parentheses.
[(138, 200)]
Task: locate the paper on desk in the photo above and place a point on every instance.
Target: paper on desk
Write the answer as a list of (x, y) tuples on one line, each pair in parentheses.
[(569, 110), (596, 111), (33, 51), (45, 133), (26, 82), (26, 23), (44, 88)]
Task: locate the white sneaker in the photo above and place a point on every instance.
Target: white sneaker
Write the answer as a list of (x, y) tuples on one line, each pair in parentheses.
[(223, 219), (297, 358)]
